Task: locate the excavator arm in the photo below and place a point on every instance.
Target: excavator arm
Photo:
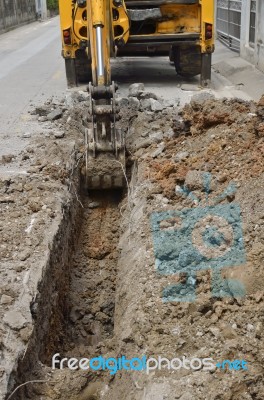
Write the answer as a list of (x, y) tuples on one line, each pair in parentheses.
[(105, 147), (99, 21)]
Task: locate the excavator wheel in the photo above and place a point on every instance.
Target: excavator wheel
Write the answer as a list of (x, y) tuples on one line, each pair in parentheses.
[(70, 72), (83, 67), (187, 60), (78, 70), (171, 56)]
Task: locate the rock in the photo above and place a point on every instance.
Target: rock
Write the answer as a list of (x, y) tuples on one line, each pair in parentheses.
[(181, 156), (155, 105), (35, 204), (26, 135), (152, 105), (82, 96), (144, 134), (143, 143), (165, 224), (70, 100), (258, 296), (7, 158), (42, 111), (6, 299), (214, 319), (134, 102), (259, 330), (25, 334), (148, 95), (194, 180), (102, 317), (87, 319), (23, 256), (208, 314), (55, 114), (178, 126), (222, 178), (145, 104), (172, 102), (42, 119), (59, 134), (250, 327), (94, 204), (170, 133), (215, 331), (15, 320), (136, 89), (158, 151), (75, 314), (200, 98), (228, 332), (156, 136), (123, 102), (33, 170), (187, 396)]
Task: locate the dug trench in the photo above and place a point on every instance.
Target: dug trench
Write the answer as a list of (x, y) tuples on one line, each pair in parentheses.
[(79, 298)]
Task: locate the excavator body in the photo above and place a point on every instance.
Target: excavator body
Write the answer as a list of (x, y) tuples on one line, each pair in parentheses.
[(94, 31)]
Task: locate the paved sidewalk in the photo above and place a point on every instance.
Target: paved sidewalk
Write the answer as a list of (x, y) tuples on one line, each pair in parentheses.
[(242, 75)]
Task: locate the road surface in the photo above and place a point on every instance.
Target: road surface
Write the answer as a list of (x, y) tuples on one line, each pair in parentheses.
[(32, 70)]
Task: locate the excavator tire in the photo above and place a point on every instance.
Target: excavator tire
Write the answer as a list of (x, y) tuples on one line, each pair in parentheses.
[(78, 70), (70, 72), (171, 56), (83, 67), (187, 60)]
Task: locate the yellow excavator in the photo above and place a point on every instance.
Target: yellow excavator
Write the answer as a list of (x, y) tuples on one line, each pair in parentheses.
[(94, 31)]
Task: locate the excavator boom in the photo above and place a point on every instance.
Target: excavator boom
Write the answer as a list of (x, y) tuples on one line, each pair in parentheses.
[(105, 147)]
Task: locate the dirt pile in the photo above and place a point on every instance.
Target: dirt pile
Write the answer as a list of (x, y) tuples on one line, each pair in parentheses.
[(213, 159)]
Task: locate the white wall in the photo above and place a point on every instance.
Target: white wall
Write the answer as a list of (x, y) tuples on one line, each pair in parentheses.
[(259, 51), (255, 54), (16, 12)]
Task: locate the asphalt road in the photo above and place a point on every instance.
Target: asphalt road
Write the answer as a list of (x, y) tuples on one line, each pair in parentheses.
[(32, 70)]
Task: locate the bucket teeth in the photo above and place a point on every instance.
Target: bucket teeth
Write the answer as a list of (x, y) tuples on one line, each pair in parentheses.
[(105, 182)]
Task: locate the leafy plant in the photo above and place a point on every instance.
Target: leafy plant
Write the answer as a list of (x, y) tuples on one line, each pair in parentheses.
[(52, 4)]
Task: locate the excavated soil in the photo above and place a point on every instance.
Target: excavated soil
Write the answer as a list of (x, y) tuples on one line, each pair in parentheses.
[(102, 292)]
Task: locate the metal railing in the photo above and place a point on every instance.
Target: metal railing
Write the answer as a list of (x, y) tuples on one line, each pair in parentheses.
[(252, 23), (228, 22)]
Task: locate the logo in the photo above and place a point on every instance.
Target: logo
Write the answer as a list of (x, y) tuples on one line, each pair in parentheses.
[(199, 238), (145, 364)]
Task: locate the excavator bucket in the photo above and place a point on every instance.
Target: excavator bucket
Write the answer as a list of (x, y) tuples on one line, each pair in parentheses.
[(104, 141)]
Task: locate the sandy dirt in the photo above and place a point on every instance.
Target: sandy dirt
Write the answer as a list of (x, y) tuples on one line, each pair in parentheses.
[(96, 287)]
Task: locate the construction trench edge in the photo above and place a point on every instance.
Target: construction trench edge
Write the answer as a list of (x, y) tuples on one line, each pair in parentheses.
[(105, 297)]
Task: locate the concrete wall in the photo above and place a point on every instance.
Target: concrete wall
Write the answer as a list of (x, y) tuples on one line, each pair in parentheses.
[(259, 54), (254, 54), (16, 12)]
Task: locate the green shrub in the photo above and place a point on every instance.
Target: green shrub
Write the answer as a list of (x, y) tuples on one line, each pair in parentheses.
[(52, 4)]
